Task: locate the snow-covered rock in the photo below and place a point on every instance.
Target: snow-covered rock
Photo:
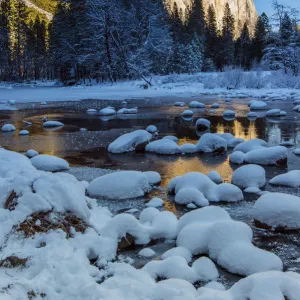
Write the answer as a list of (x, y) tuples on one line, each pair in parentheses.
[(196, 104), (163, 146), (181, 104), (8, 128), (119, 185), (178, 251), (291, 179), (49, 163), (257, 105), (252, 115), (211, 142), (51, 124), (91, 111), (202, 124), (187, 148), (229, 114), (108, 111), (215, 177), (127, 111), (154, 178), (133, 141), (155, 202), (187, 113), (250, 145), (278, 211), (197, 188), (31, 153), (296, 151), (267, 156), (152, 129), (24, 132), (237, 157), (227, 242), (273, 113), (249, 176), (147, 253), (215, 105)]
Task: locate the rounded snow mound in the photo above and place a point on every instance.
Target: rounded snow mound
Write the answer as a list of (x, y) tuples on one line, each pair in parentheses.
[(119, 185), (250, 145), (133, 141), (51, 124), (187, 113), (31, 153), (211, 142), (108, 111), (202, 124), (273, 112), (196, 104), (49, 163), (163, 146), (151, 129), (215, 177), (249, 176), (257, 105), (8, 128), (277, 211), (291, 179)]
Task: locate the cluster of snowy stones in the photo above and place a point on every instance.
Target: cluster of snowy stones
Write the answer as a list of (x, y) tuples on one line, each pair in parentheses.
[(256, 151), (110, 111), (50, 264), (142, 140)]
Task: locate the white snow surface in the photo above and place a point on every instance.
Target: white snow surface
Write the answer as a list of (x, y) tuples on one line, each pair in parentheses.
[(49, 163), (128, 142), (291, 179), (250, 145), (215, 177), (155, 202), (210, 142), (120, 185), (196, 104), (278, 210), (163, 146), (50, 124), (257, 105), (8, 128)]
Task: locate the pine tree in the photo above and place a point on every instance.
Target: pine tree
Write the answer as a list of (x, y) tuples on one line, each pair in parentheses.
[(262, 30), (196, 21), (243, 49), (211, 40), (4, 40), (227, 43)]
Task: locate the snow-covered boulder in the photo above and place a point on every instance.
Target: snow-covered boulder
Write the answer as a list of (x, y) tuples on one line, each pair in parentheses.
[(267, 156), (146, 253), (203, 269), (199, 189), (231, 140), (257, 105), (229, 114), (51, 124), (24, 132), (133, 141), (296, 151), (249, 177), (155, 202), (153, 177), (211, 142), (187, 113), (202, 124), (91, 111), (277, 211), (108, 111), (237, 157), (8, 128), (227, 242), (250, 145), (187, 148), (171, 137), (291, 179), (163, 146), (215, 105), (127, 111), (31, 153), (49, 163), (252, 115), (180, 104), (178, 251), (196, 104), (215, 177), (273, 113), (152, 129), (119, 185)]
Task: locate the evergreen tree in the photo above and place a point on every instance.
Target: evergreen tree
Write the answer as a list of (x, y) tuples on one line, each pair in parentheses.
[(211, 40), (227, 42), (262, 30), (243, 49), (4, 40), (196, 21)]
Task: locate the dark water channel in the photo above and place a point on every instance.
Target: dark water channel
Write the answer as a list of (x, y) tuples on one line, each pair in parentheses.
[(89, 149)]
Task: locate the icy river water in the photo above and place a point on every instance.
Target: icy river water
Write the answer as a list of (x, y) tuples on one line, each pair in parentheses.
[(88, 149)]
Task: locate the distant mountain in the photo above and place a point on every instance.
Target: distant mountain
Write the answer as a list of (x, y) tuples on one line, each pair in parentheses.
[(242, 10)]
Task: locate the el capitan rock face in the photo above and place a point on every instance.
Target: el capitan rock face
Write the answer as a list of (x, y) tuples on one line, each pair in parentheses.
[(242, 10)]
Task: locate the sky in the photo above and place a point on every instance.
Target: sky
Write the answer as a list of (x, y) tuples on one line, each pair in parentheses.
[(266, 5)]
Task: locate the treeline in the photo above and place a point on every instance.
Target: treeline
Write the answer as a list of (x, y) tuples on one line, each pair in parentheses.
[(128, 39)]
